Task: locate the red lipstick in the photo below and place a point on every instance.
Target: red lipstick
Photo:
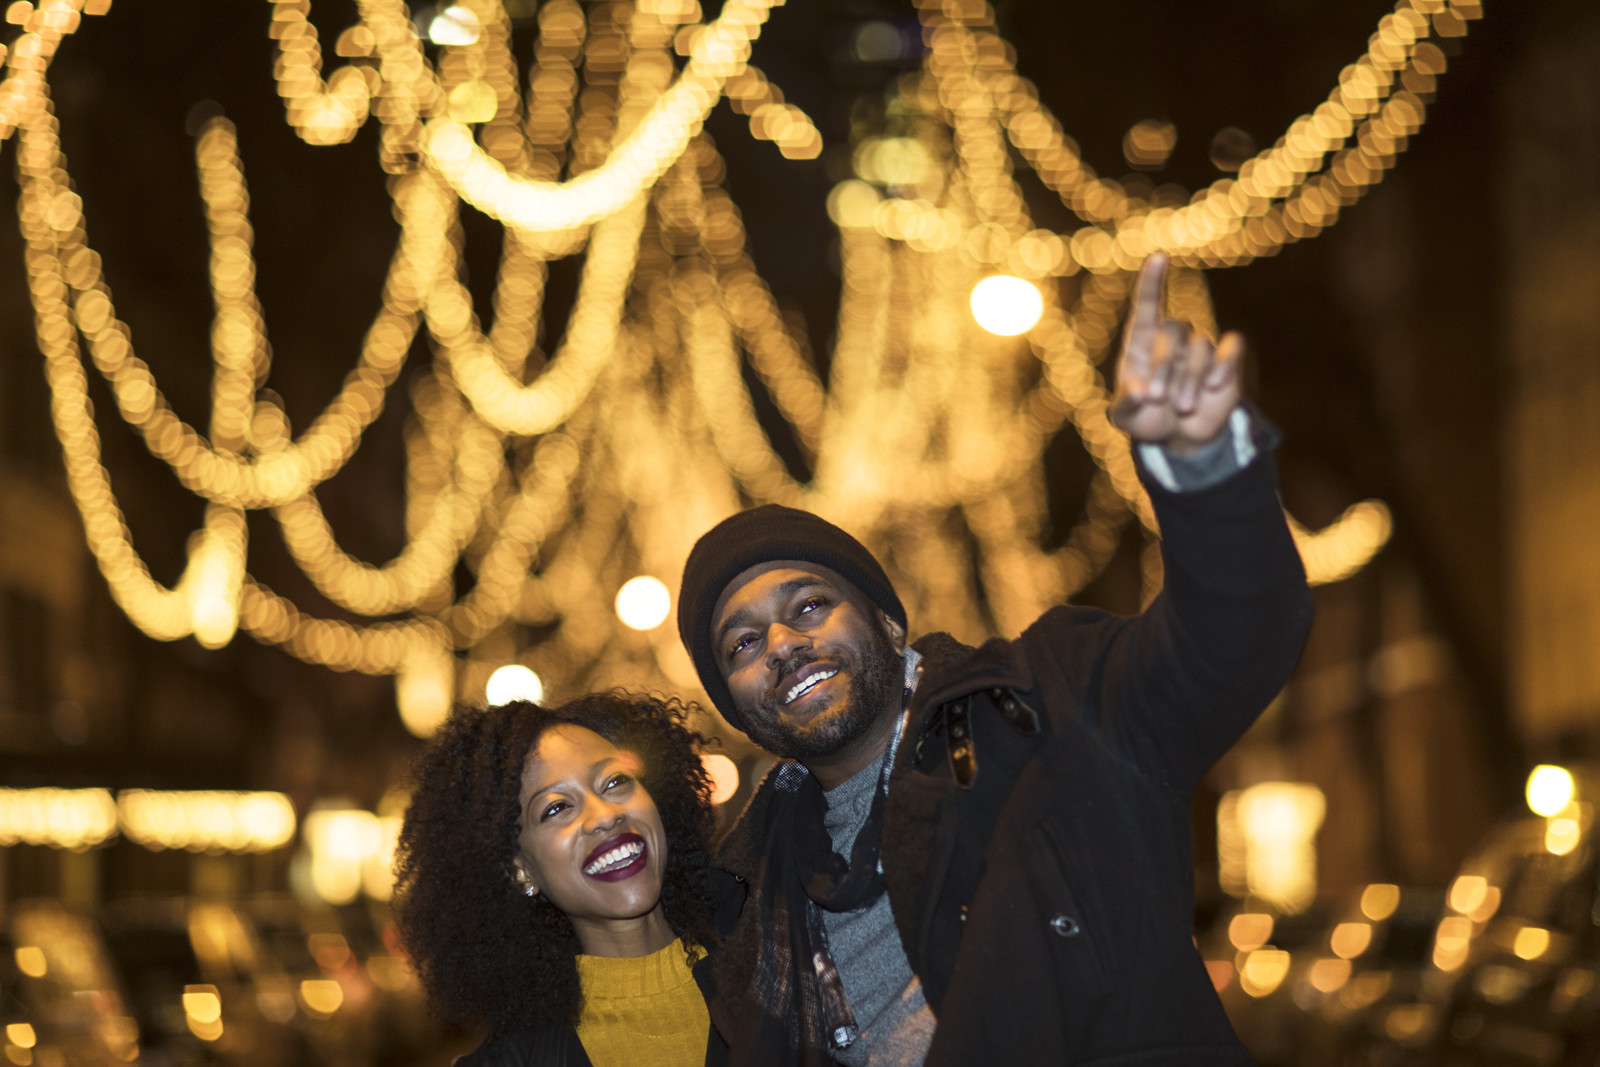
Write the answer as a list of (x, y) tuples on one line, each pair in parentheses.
[(617, 858)]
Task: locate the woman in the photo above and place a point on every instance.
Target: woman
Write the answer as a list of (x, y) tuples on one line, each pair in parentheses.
[(552, 883)]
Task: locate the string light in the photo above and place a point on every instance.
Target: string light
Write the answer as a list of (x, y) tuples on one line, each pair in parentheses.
[(719, 50), (539, 475)]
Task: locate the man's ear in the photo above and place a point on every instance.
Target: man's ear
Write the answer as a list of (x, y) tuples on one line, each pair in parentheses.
[(896, 633)]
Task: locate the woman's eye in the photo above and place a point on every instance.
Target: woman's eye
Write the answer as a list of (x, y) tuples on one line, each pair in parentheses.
[(553, 809), (617, 781)]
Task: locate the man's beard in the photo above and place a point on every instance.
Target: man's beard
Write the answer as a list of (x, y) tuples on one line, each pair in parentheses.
[(875, 690)]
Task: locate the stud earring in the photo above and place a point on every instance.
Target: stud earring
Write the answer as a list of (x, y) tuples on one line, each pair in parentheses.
[(531, 890)]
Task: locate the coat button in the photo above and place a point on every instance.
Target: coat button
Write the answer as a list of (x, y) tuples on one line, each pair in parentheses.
[(1065, 925)]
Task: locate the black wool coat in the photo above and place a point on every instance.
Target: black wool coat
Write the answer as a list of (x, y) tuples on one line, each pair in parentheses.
[(1037, 828)]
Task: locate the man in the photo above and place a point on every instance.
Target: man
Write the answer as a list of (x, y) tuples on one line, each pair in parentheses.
[(1018, 887)]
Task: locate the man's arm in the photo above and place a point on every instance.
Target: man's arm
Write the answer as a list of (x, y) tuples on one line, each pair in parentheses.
[(1174, 687)]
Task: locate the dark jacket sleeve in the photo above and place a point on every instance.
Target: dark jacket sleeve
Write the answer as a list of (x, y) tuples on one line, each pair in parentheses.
[(1173, 688)]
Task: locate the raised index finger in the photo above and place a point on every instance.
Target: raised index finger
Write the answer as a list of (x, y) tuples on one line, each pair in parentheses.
[(1147, 294)]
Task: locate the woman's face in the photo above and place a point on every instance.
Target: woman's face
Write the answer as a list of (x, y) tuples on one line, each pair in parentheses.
[(592, 840)]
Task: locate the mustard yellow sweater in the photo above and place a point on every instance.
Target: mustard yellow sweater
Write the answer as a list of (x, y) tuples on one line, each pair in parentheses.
[(645, 1011)]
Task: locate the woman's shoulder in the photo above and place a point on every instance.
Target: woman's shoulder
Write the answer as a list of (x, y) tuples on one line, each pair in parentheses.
[(554, 1046)]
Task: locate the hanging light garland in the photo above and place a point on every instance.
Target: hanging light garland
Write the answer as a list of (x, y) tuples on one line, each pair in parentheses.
[(553, 479)]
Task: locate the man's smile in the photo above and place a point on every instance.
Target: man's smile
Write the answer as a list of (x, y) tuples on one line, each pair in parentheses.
[(804, 681)]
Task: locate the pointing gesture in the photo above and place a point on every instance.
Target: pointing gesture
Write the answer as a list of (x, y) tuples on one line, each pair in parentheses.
[(1174, 388)]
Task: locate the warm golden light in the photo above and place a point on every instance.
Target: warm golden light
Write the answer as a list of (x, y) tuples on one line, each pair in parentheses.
[(340, 842), (1264, 971), (1487, 907), (1329, 976), (321, 996), (424, 690), (455, 26), (1350, 940), (1531, 942), (852, 204), (1550, 789), (21, 1035), (1250, 930), (1452, 943), (1562, 835), (643, 603), (724, 776), (1006, 306), (1147, 144), (513, 682), (1379, 901), (1467, 893), (593, 148), (74, 819), (1409, 1023), (1279, 822), (201, 1003), (31, 961), (206, 821)]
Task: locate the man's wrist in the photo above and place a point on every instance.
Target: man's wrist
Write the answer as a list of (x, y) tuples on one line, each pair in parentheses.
[(1181, 470)]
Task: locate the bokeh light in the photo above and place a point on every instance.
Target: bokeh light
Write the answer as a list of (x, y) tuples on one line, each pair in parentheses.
[(1147, 144), (456, 26), (513, 682), (1550, 789), (724, 776), (878, 42), (852, 204), (1379, 900), (1006, 305), (643, 603)]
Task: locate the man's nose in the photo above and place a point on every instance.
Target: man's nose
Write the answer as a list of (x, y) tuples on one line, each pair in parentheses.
[(783, 642)]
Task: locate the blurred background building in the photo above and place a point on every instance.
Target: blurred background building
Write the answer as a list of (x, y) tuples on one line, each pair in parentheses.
[(529, 414)]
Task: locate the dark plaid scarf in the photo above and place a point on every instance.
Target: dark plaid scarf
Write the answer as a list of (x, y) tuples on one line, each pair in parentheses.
[(796, 1011)]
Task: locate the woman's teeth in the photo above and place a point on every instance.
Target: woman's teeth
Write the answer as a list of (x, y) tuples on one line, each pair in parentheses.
[(805, 686), (620, 856)]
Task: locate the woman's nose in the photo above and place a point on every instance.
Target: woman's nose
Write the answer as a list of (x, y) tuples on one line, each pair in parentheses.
[(601, 814)]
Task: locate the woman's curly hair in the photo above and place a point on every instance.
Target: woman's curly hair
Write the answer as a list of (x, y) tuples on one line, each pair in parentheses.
[(488, 954)]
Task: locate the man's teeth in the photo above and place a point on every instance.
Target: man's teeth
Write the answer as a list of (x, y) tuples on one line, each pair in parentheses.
[(805, 686), (620, 856)]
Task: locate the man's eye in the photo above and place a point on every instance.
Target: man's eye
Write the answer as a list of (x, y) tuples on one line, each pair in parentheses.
[(740, 644), (811, 603)]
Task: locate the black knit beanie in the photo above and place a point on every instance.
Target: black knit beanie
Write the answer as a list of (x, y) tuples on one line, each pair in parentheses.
[(762, 534)]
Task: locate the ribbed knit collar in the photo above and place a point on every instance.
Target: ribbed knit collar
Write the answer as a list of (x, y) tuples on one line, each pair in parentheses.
[(615, 977)]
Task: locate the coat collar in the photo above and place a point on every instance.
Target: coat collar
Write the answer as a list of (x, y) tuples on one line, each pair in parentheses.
[(950, 670)]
